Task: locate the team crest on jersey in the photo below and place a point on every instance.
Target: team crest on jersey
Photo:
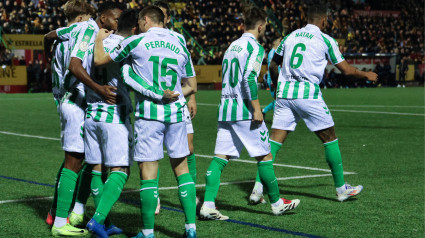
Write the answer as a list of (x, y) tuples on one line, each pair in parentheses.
[(83, 46)]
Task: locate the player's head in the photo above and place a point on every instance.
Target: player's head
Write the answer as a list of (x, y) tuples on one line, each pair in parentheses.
[(78, 11), (255, 19), (165, 8), (150, 16), (318, 14), (108, 14), (127, 23)]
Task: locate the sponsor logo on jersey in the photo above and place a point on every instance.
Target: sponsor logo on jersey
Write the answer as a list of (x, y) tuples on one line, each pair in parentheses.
[(84, 46)]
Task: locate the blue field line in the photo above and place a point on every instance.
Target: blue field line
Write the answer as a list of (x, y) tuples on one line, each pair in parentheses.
[(134, 202)]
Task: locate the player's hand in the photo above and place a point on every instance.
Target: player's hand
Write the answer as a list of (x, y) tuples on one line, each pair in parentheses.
[(170, 96), (257, 116), (372, 76), (103, 34), (108, 93), (191, 105)]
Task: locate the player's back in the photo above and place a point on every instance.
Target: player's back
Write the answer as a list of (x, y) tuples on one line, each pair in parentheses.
[(240, 67), (58, 65), (305, 55)]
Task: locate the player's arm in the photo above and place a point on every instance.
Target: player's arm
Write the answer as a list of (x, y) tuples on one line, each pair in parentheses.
[(274, 68), (191, 104), (63, 33), (139, 85), (100, 56), (349, 70), (250, 76), (78, 54)]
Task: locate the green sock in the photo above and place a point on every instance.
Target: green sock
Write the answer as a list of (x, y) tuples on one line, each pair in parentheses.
[(187, 196), (84, 183), (268, 179), (66, 188), (191, 163), (96, 187), (148, 202), (55, 196), (274, 147), (333, 157), (213, 178), (111, 192)]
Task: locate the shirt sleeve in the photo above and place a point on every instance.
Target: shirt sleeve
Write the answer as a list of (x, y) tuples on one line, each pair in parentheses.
[(189, 69), (85, 38), (64, 33), (122, 51), (139, 85), (332, 53), (253, 68)]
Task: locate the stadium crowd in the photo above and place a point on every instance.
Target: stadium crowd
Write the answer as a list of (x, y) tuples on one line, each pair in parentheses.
[(212, 25)]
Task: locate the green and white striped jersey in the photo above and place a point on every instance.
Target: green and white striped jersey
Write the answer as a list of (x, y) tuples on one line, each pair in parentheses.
[(240, 69), (60, 49), (159, 60), (109, 74), (305, 55), (80, 36)]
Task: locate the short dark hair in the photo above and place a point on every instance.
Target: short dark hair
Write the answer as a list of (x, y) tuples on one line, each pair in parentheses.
[(154, 13), (317, 11), (109, 6), (75, 8), (252, 15), (128, 20), (163, 4)]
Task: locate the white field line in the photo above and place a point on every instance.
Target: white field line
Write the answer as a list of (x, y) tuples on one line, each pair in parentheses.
[(355, 111), (198, 155), (174, 188)]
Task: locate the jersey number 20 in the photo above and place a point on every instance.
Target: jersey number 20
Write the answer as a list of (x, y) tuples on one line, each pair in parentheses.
[(233, 74)]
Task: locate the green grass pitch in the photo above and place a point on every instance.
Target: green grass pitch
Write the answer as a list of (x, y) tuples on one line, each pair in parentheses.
[(381, 137)]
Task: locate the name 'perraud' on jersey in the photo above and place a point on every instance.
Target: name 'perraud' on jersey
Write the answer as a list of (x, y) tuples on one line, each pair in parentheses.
[(240, 69), (305, 52), (159, 60)]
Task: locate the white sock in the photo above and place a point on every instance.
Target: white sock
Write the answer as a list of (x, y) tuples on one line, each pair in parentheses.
[(147, 232), (210, 205), (258, 187), (60, 221), (190, 226), (341, 189), (278, 203), (78, 208)]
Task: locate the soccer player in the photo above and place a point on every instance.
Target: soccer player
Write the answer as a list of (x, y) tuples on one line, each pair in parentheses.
[(75, 11), (303, 56), (73, 105), (158, 59), (190, 108), (240, 121), (257, 192)]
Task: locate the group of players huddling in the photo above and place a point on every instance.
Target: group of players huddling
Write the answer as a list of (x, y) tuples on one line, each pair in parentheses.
[(95, 63)]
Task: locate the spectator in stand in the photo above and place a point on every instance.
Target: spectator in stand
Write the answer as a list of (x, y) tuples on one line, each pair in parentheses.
[(402, 72)]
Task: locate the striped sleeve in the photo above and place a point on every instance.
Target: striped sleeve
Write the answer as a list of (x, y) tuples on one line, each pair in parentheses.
[(85, 38), (64, 33), (189, 70), (139, 85), (281, 48), (122, 51), (333, 53), (253, 68)]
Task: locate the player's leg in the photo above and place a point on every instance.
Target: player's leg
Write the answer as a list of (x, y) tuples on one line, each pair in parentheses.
[(148, 151), (284, 121), (227, 145), (73, 118), (83, 192), (269, 107), (318, 118), (116, 151), (175, 140), (334, 160), (52, 212)]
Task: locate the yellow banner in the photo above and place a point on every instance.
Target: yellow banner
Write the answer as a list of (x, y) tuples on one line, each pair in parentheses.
[(13, 75), (24, 41), (212, 73)]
